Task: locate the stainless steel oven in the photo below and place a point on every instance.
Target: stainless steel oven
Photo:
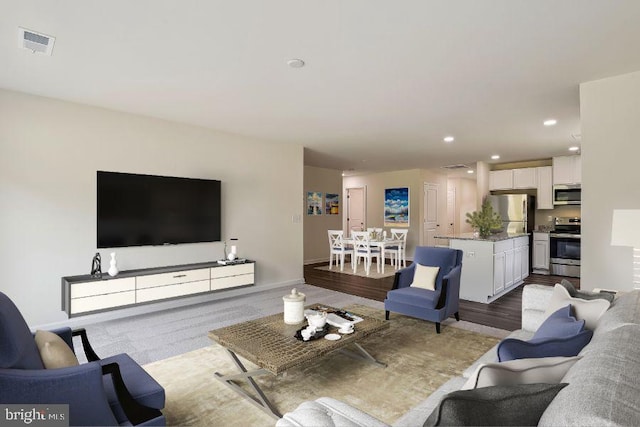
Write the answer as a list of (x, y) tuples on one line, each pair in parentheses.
[(564, 247)]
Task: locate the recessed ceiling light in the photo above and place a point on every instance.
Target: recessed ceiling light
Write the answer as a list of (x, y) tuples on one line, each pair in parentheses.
[(574, 148), (449, 139), (295, 63), (550, 122), (470, 171), (495, 157)]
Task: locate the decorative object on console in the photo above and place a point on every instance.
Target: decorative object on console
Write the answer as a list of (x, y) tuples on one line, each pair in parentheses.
[(486, 220), (234, 250), (521, 405), (113, 268), (625, 232), (294, 307), (96, 266)]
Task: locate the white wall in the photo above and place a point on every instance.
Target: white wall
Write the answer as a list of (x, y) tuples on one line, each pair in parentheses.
[(610, 115), (316, 240), (49, 153)]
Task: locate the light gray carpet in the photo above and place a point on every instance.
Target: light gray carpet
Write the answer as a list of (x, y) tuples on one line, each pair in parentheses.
[(156, 336)]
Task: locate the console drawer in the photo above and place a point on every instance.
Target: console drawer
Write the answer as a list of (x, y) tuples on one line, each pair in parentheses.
[(171, 291), (231, 270), (175, 277), (102, 287), (101, 302)]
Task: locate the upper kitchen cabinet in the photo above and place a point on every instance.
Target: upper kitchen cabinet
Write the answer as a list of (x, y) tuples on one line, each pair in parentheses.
[(525, 178), (545, 188), (501, 180), (567, 170)]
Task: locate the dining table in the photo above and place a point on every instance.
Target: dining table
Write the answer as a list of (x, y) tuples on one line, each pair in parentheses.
[(382, 244)]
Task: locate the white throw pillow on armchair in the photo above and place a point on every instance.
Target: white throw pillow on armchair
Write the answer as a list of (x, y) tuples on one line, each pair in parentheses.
[(425, 277)]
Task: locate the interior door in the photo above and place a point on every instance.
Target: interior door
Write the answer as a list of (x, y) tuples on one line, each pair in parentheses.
[(451, 211), (430, 220), (356, 212)]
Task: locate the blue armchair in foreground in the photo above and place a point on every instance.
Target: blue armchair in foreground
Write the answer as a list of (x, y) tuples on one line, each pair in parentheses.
[(415, 299), (106, 392)]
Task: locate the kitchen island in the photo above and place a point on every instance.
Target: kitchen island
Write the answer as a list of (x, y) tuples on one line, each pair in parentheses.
[(491, 266)]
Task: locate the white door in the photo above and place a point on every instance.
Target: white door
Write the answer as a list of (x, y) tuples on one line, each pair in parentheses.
[(356, 213), (430, 220), (451, 211)]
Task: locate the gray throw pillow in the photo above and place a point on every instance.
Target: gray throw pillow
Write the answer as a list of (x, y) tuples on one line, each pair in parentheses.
[(584, 294), (520, 405)]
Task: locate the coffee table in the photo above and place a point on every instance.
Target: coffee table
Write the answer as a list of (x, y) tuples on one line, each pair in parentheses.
[(270, 344)]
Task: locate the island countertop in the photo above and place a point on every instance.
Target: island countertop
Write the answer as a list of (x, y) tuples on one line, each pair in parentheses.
[(471, 236)]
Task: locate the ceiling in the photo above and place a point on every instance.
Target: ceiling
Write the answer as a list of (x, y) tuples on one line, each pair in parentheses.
[(384, 81)]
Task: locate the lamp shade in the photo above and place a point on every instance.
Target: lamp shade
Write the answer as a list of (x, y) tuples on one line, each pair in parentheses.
[(625, 228)]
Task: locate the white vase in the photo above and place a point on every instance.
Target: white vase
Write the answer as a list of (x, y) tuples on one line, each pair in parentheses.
[(113, 268)]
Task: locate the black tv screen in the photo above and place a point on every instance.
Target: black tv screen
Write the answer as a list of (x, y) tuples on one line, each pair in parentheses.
[(141, 210)]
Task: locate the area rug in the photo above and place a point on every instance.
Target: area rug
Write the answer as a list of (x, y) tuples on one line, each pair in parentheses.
[(389, 271), (419, 361)]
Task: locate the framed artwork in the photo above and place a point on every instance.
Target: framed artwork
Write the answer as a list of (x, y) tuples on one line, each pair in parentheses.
[(314, 203), (396, 207), (331, 204)]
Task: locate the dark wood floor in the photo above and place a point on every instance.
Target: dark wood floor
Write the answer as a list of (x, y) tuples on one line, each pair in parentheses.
[(504, 313)]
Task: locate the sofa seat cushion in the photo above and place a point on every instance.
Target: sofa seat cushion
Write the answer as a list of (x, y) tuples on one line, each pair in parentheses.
[(414, 296), (603, 385), (144, 389), (328, 412)]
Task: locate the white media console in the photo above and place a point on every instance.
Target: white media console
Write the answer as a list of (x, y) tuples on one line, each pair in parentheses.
[(87, 294)]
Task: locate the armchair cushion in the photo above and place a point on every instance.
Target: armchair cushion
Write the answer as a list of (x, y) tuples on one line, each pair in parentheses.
[(425, 277), (414, 296), (54, 352), (19, 350)]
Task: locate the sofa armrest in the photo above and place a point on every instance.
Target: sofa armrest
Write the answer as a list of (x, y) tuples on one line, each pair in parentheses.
[(535, 299), (328, 412), (78, 386)]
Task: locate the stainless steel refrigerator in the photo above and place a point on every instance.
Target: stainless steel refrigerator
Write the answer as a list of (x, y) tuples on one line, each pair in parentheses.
[(516, 211)]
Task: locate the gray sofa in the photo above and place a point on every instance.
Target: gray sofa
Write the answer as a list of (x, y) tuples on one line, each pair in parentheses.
[(603, 390)]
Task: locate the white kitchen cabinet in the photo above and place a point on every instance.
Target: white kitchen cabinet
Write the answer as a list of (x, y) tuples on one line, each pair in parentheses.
[(545, 187), (540, 253), (525, 178), (567, 170), (491, 269), (501, 180)]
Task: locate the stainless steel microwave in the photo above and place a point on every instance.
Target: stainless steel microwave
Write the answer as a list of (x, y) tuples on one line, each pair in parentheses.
[(567, 194)]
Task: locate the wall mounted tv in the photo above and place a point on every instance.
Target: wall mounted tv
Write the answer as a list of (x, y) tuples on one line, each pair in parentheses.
[(141, 210)]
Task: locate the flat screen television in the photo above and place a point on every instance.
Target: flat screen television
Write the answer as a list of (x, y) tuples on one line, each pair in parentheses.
[(142, 210)]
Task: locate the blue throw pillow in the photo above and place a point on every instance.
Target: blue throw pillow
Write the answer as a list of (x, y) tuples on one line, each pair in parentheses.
[(560, 324), (559, 335), (511, 348)]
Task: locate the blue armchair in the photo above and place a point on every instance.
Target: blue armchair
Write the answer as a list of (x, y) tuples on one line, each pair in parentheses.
[(111, 391), (436, 305)]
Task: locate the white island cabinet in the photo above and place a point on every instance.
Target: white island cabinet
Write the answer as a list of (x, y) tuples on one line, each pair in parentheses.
[(491, 267)]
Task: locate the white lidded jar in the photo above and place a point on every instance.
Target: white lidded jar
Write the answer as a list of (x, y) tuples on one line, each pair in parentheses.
[(294, 307)]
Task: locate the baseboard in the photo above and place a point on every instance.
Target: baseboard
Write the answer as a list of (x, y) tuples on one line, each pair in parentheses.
[(316, 261)]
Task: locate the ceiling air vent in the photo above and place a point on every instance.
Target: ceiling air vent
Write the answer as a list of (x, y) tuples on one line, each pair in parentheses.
[(456, 167), (36, 42)]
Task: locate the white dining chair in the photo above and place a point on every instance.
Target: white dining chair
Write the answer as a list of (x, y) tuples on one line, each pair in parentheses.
[(337, 248), (362, 249), (399, 251)]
